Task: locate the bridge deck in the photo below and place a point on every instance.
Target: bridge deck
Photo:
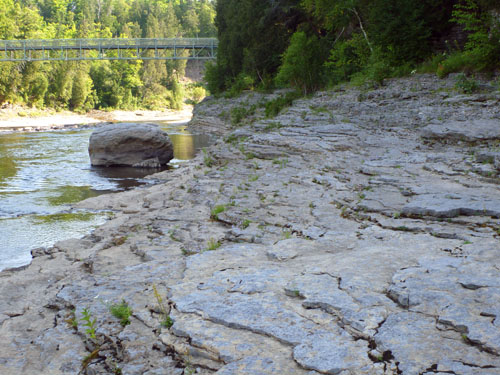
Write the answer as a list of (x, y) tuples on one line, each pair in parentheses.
[(108, 49)]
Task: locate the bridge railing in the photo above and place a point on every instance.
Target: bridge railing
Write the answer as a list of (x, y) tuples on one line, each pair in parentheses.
[(125, 43)]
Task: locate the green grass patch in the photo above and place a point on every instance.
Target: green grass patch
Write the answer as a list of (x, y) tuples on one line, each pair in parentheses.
[(275, 106), (121, 311), (214, 213)]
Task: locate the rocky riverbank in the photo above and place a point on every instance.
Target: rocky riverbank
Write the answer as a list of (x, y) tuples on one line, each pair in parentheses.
[(15, 118), (355, 233)]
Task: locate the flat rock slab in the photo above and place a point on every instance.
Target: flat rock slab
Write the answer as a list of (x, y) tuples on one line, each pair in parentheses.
[(333, 353), (452, 205), (418, 346), (467, 131), (130, 144)]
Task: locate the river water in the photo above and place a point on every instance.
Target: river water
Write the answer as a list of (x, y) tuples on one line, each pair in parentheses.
[(42, 173)]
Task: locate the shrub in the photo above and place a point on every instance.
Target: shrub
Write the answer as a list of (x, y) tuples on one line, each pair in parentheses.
[(198, 94), (242, 82), (483, 45), (214, 77), (456, 62), (465, 84), (302, 65), (347, 58)]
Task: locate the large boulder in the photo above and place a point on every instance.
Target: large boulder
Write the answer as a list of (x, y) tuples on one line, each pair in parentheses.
[(130, 144)]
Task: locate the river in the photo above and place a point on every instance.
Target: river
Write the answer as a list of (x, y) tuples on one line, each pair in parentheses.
[(43, 173)]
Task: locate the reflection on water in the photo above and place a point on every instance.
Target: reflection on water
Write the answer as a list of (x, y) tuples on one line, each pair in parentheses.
[(42, 172)]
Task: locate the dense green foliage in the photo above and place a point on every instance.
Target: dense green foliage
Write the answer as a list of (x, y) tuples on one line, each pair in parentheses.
[(99, 84), (308, 44)]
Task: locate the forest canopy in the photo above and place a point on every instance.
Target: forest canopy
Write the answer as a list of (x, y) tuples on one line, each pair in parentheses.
[(84, 85), (310, 44)]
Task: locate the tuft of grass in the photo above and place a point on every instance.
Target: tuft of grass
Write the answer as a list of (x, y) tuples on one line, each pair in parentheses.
[(214, 213), (275, 106), (213, 244), (167, 322), (239, 114), (71, 319), (121, 311), (245, 224), (207, 159), (287, 234), (281, 162), (273, 125)]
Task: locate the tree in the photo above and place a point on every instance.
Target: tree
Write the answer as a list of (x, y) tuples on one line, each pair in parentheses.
[(302, 66)]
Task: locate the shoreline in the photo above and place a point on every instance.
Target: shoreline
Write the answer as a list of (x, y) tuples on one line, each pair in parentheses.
[(344, 234), (11, 121)]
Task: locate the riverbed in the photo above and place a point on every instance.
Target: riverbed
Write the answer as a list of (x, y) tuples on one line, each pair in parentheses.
[(42, 173)]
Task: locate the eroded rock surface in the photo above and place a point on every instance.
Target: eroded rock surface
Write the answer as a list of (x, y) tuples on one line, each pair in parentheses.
[(355, 233)]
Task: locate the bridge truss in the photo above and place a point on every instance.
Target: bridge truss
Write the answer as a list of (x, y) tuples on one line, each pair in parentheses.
[(108, 49)]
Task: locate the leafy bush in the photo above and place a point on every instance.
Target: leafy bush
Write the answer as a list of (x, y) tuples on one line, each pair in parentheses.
[(198, 93), (456, 62), (242, 82), (215, 78), (483, 45), (465, 84), (347, 58), (302, 65)]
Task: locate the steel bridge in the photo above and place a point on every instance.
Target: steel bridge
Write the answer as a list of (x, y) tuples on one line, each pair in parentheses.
[(108, 49)]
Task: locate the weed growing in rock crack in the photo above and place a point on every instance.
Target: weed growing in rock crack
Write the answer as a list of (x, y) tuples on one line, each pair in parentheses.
[(117, 241), (121, 311), (238, 114), (274, 125), (231, 138), (253, 178), (286, 234), (213, 244), (275, 106), (214, 213), (86, 361), (166, 321), (89, 323), (71, 319), (172, 236), (245, 224), (318, 109), (281, 162), (207, 159)]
